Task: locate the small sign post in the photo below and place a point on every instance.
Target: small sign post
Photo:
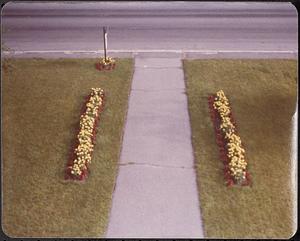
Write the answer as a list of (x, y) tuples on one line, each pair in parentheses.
[(105, 63), (105, 42)]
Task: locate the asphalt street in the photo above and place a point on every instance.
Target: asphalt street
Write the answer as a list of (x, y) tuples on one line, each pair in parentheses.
[(151, 26)]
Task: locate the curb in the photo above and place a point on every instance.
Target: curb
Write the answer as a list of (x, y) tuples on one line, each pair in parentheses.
[(184, 54)]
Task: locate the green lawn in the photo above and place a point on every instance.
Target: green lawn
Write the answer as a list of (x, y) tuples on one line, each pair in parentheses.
[(41, 109), (262, 94)]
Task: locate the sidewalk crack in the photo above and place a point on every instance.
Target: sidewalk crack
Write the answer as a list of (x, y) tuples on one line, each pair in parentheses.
[(159, 67), (156, 165), (159, 90)]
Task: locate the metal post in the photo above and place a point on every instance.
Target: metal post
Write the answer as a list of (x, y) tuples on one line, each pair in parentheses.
[(105, 42)]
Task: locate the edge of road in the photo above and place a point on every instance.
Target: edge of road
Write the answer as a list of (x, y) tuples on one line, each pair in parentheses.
[(184, 54)]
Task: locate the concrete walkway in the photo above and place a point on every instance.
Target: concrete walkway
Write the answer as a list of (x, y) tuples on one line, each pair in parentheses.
[(156, 193)]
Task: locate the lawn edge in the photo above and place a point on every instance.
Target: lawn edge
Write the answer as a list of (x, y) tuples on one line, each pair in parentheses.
[(193, 146), (121, 144)]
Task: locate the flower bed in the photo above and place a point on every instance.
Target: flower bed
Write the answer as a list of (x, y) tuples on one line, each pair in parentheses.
[(231, 151), (82, 149), (106, 64)]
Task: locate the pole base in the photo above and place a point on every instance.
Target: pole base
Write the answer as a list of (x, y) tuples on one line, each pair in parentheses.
[(101, 66)]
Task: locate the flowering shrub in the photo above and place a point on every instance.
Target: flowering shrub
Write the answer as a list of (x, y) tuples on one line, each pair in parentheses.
[(231, 151), (106, 64), (81, 154)]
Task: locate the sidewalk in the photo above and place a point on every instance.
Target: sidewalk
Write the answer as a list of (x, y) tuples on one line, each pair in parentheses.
[(156, 194)]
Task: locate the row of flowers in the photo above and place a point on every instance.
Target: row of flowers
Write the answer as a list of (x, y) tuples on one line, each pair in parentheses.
[(231, 151), (81, 152)]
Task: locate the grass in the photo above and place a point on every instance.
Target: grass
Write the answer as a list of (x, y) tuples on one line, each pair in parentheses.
[(262, 94), (41, 109)]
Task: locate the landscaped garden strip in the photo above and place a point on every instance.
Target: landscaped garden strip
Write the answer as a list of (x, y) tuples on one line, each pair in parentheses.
[(230, 145), (263, 97), (41, 106), (81, 154)]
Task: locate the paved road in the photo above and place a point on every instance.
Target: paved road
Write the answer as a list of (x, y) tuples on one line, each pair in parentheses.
[(161, 26)]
